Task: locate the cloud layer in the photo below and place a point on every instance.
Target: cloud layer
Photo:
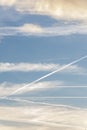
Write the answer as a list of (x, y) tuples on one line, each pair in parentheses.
[(40, 117), (7, 2), (58, 9)]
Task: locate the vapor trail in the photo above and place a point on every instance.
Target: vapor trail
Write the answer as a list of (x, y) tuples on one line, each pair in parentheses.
[(40, 103), (47, 75), (57, 97)]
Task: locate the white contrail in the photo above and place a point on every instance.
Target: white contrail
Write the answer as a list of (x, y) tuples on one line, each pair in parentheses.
[(29, 101), (40, 103), (58, 97), (47, 75)]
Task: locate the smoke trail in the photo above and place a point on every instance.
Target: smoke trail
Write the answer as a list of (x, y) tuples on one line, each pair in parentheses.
[(47, 75)]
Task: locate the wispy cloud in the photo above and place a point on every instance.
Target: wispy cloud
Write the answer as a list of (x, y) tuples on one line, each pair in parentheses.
[(58, 9), (7, 88), (36, 67), (26, 67), (31, 28), (36, 30)]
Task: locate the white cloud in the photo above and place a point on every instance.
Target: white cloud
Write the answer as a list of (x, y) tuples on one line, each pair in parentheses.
[(31, 28), (26, 29), (28, 67), (58, 9), (7, 2), (75, 69), (36, 30), (37, 117), (8, 88)]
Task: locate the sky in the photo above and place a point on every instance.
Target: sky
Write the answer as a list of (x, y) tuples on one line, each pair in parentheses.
[(43, 64)]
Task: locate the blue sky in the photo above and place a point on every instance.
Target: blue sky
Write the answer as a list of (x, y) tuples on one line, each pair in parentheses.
[(40, 86)]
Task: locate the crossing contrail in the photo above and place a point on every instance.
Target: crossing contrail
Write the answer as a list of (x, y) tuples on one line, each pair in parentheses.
[(47, 75), (39, 103)]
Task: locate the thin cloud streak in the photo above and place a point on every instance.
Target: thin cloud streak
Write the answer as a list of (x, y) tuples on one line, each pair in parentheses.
[(38, 67), (36, 30), (6, 88), (27, 67), (58, 97)]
